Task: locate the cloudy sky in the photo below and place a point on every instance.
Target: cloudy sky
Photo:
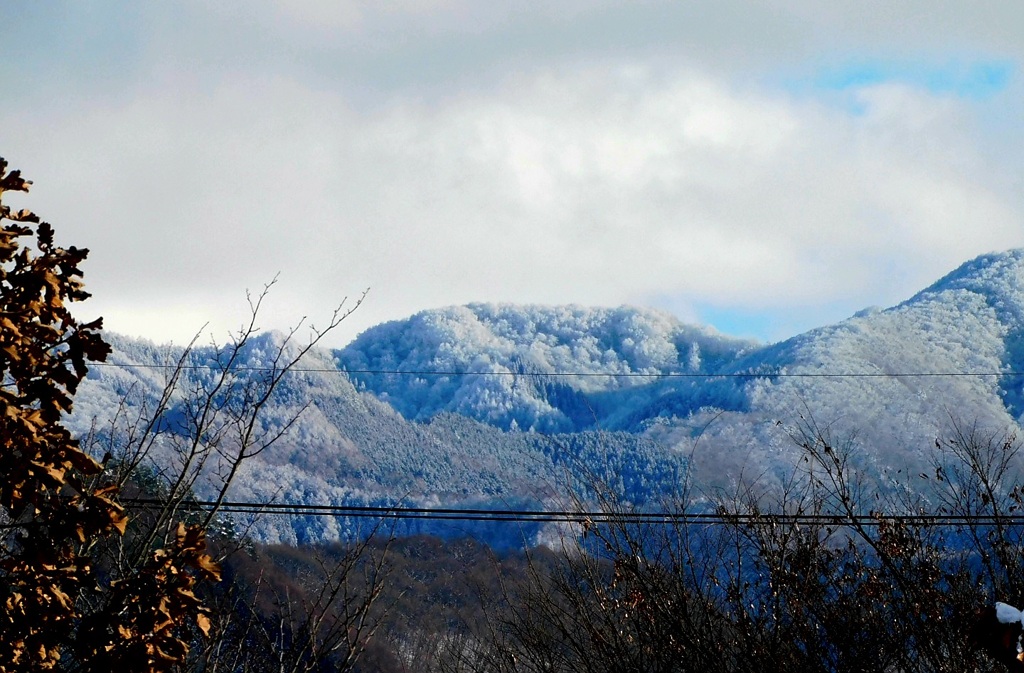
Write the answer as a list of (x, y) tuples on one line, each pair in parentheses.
[(759, 169)]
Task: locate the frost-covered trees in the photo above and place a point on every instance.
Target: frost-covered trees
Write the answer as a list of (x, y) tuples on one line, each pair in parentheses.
[(496, 361)]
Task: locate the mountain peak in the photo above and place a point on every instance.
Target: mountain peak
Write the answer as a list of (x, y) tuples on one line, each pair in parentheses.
[(986, 268), (997, 276)]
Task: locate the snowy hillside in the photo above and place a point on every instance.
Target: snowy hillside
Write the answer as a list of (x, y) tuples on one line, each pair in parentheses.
[(347, 447), (501, 403), (513, 362), (879, 376), (895, 380)]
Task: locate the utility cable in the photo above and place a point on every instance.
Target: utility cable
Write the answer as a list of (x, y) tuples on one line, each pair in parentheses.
[(618, 375), (575, 516)]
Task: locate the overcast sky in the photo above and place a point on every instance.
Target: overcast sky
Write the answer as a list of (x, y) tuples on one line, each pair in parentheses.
[(758, 169)]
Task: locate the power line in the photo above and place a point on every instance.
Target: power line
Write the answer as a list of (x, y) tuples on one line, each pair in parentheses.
[(618, 375), (576, 516)]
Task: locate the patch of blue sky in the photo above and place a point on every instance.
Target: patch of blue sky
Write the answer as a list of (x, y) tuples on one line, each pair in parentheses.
[(770, 325), (977, 80), (746, 324)]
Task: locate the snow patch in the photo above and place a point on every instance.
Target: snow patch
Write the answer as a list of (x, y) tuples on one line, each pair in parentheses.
[(1007, 614)]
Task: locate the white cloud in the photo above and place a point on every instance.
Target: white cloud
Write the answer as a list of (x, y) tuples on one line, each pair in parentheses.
[(616, 179)]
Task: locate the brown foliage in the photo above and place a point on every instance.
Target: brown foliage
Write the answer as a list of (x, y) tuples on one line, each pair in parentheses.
[(139, 627), (54, 500)]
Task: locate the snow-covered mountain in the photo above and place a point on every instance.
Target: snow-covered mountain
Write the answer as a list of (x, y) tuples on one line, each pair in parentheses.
[(503, 404), (543, 368), (348, 447)]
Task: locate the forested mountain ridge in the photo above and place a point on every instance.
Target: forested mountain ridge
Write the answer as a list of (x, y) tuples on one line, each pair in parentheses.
[(896, 379), (348, 447), (968, 322), (509, 403), (554, 368)]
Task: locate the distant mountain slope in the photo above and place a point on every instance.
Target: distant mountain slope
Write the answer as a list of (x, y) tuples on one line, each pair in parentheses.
[(895, 380), (348, 447), (514, 360), (657, 399), (880, 376)]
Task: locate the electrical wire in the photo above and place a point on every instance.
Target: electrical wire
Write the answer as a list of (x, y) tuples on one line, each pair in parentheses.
[(574, 516), (619, 375)]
